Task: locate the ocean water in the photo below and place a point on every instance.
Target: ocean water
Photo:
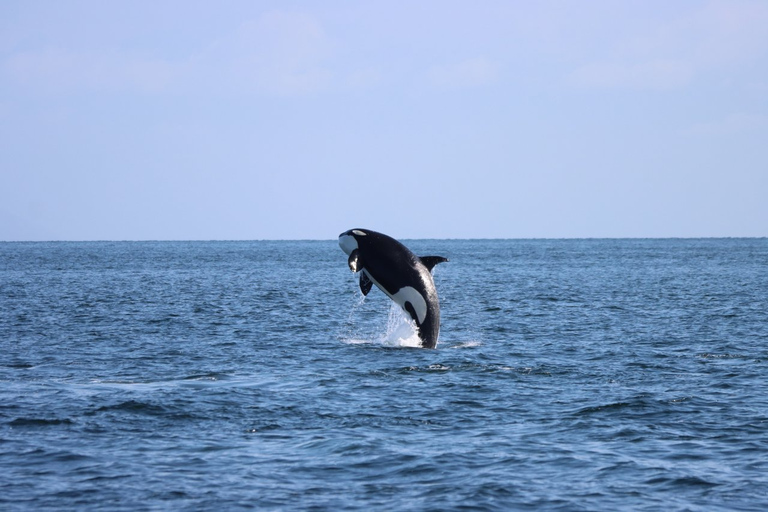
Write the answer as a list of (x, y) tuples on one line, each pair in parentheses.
[(570, 375)]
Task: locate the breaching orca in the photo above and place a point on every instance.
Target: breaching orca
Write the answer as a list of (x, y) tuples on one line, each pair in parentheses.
[(403, 276)]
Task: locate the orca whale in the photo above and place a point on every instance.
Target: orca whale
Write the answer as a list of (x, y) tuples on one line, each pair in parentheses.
[(403, 276)]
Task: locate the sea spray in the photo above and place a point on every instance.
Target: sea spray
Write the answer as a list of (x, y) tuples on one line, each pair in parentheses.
[(398, 331), (401, 330)]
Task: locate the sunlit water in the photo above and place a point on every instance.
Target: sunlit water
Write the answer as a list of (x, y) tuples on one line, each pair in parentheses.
[(570, 375)]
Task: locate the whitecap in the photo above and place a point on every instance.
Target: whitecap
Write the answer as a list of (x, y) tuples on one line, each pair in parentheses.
[(466, 344)]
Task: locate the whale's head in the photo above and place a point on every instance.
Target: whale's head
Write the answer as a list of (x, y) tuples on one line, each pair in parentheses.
[(348, 240)]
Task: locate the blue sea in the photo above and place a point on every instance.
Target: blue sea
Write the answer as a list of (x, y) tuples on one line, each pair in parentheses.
[(570, 375)]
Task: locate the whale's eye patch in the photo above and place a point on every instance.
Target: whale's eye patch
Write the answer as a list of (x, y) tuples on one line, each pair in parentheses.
[(358, 232)]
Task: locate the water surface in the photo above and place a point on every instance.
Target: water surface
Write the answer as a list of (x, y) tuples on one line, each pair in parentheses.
[(570, 375)]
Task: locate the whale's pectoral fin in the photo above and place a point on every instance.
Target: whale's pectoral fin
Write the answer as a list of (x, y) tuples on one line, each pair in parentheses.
[(365, 283), (354, 261), (431, 261)]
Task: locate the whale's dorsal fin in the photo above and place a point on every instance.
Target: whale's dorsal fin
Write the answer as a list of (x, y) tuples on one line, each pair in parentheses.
[(365, 283), (431, 261)]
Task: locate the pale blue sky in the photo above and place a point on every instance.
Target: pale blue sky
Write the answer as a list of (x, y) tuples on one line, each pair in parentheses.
[(300, 119)]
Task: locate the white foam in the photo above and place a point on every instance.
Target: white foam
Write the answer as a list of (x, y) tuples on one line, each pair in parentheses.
[(466, 344), (355, 341)]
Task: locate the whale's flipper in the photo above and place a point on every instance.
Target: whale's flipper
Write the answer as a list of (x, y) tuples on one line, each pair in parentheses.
[(355, 265), (431, 261), (365, 283)]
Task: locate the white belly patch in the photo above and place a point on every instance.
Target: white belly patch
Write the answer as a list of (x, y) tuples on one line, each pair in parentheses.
[(409, 294), (403, 295)]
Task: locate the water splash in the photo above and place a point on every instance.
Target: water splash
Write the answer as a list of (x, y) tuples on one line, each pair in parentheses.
[(400, 330)]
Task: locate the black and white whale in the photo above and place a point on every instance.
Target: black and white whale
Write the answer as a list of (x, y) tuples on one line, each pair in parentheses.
[(403, 276)]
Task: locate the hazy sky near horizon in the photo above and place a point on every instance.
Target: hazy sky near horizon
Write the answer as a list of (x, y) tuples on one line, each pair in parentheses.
[(435, 119)]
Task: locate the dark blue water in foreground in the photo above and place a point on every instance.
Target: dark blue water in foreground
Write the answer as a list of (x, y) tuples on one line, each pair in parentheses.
[(570, 375)]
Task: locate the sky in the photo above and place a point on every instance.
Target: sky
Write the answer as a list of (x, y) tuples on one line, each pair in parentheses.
[(243, 120)]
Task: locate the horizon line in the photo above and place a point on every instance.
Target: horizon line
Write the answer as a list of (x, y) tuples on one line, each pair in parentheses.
[(193, 240)]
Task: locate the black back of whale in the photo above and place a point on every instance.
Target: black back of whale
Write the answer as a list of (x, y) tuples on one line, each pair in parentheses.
[(393, 266)]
